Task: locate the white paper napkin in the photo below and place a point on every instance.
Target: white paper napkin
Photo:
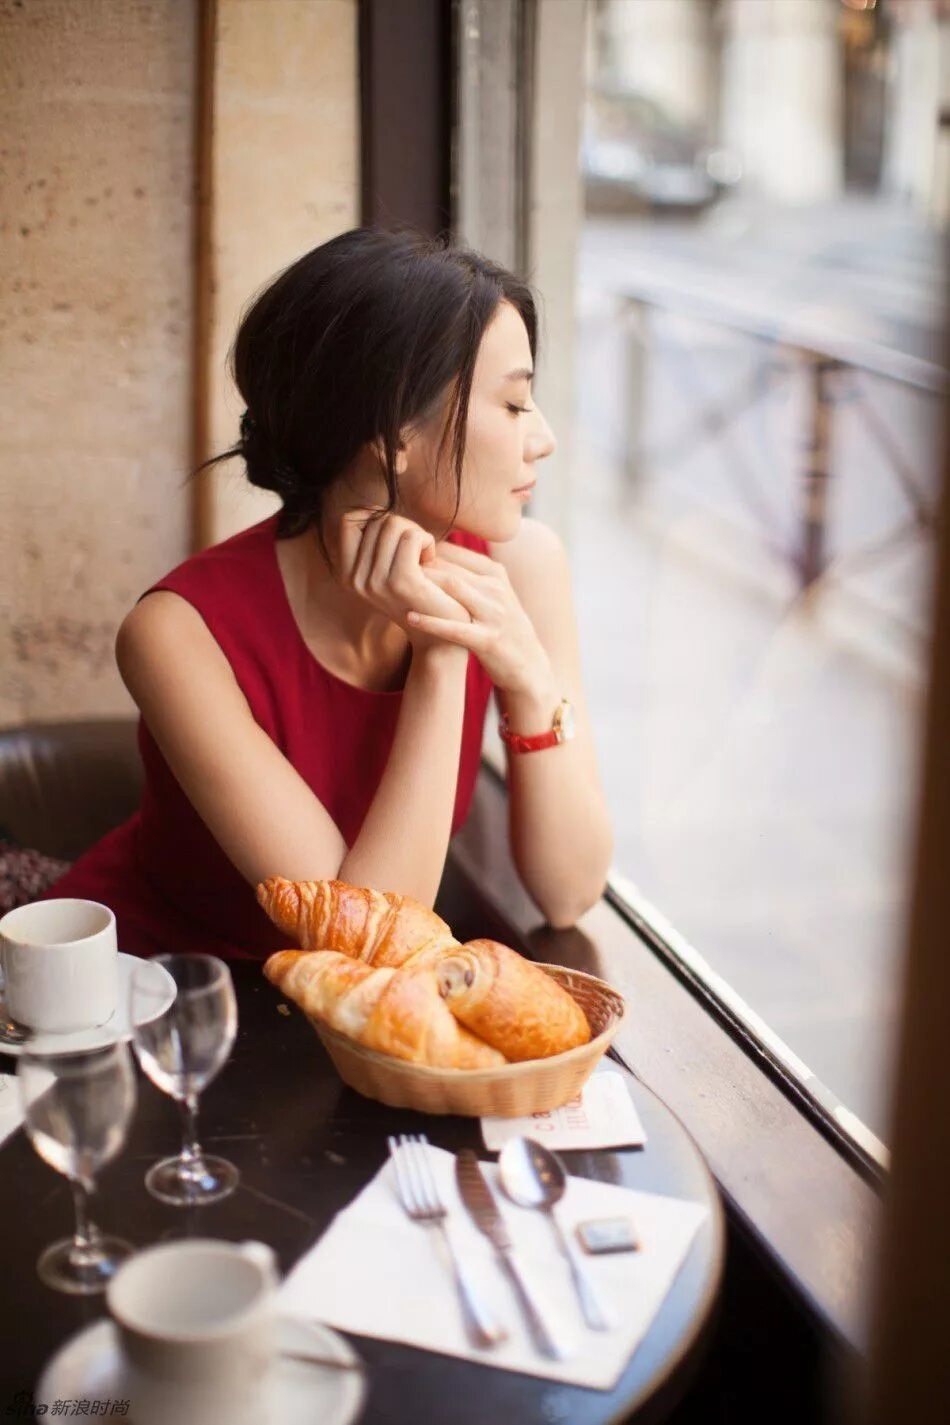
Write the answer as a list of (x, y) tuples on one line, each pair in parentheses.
[(602, 1115), (377, 1273), (11, 1114)]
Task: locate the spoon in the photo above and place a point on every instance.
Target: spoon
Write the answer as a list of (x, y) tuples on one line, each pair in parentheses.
[(332, 1361), (11, 1033), (533, 1176)]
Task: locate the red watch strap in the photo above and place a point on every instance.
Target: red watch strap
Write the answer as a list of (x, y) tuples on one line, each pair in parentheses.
[(560, 730), (535, 742)]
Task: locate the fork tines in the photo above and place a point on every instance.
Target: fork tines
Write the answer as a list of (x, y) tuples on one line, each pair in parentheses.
[(414, 1177)]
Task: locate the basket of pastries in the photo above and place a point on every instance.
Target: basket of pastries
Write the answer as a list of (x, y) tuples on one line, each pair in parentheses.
[(415, 1019)]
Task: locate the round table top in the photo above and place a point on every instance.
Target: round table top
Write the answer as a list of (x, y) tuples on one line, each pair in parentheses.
[(306, 1145)]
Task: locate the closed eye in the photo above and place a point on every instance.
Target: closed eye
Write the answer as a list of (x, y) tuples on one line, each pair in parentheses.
[(519, 410)]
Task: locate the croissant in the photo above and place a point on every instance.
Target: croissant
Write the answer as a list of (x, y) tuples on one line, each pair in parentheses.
[(508, 1002), (397, 1011), (380, 927), (332, 987), (494, 995)]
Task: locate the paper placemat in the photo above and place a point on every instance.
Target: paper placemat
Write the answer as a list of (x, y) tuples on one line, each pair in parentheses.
[(602, 1115), (377, 1273)]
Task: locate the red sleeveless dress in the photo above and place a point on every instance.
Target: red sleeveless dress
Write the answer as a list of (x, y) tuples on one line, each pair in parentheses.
[(169, 883)]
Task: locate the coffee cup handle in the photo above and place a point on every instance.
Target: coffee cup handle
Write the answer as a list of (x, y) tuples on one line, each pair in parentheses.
[(263, 1256)]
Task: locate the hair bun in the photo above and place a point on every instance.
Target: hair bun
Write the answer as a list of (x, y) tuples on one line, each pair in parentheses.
[(264, 470)]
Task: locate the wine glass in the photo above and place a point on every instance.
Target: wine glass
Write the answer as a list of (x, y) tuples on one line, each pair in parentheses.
[(77, 1109), (181, 1050)]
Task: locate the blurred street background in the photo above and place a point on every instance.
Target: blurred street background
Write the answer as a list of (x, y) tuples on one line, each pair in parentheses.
[(760, 317)]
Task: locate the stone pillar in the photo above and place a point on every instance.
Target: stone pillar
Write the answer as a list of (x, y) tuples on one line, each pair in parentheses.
[(665, 50), (915, 158), (781, 103)]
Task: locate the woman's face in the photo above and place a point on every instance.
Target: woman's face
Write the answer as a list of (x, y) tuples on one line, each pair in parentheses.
[(506, 436)]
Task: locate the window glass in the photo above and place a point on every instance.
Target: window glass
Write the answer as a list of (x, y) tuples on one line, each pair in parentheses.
[(760, 325)]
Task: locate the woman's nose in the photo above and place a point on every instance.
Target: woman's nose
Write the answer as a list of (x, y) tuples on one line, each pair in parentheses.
[(542, 437)]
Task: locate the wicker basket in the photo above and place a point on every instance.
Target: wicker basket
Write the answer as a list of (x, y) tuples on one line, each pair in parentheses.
[(512, 1091)]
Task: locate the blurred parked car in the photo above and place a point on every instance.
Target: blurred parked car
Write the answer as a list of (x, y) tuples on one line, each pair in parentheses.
[(635, 156)]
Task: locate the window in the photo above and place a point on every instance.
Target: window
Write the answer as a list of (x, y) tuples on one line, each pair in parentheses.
[(752, 496)]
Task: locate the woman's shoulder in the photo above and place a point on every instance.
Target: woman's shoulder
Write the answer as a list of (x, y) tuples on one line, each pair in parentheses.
[(226, 592)]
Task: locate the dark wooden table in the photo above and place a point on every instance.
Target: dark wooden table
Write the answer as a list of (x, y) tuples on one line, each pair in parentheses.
[(305, 1146)]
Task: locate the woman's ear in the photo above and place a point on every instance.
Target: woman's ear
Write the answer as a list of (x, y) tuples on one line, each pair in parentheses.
[(402, 456)]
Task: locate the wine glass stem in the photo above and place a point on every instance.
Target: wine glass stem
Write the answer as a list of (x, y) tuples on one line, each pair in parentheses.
[(190, 1147), (86, 1232)]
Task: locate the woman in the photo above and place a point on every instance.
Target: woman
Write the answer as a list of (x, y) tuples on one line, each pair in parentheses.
[(313, 689)]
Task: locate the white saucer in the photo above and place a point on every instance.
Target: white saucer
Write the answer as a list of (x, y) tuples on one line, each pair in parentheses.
[(116, 1026), (90, 1367)]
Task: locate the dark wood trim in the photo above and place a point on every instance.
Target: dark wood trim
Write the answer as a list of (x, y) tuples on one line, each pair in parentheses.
[(406, 107), (804, 1208), (202, 514), (909, 1370)]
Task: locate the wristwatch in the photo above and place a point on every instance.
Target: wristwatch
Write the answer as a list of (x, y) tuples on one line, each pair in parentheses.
[(561, 730)]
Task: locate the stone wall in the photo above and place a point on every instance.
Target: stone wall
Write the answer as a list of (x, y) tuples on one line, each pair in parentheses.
[(98, 104), (96, 153), (285, 177)]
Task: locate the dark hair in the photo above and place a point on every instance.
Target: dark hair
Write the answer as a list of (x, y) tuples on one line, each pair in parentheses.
[(354, 341)]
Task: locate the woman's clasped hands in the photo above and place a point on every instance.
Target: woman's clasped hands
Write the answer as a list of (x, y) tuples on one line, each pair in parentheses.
[(445, 593), (383, 561), (497, 630)]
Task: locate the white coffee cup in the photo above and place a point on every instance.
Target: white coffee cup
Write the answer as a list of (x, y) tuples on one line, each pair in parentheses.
[(60, 960), (197, 1329)]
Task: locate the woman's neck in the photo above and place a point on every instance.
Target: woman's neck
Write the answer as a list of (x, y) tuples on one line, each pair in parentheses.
[(331, 615)]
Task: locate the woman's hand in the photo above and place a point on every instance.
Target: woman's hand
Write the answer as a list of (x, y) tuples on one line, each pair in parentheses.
[(497, 629), (383, 561)]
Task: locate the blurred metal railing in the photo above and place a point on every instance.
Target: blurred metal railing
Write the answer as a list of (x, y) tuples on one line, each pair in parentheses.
[(795, 337)]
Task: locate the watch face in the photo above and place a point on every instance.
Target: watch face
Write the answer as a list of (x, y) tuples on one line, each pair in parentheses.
[(567, 722)]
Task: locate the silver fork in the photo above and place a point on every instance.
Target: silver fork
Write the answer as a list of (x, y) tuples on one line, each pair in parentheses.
[(420, 1197)]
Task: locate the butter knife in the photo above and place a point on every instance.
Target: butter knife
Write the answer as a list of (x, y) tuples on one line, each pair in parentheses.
[(476, 1194)]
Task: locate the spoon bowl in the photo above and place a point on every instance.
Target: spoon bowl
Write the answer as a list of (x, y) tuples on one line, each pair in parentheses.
[(531, 1174)]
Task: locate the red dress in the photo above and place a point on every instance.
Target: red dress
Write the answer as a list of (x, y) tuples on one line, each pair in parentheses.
[(162, 872)]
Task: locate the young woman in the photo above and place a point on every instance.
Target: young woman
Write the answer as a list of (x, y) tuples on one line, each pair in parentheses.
[(313, 690)]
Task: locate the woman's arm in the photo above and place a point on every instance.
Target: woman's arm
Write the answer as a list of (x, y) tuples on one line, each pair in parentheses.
[(524, 632), (558, 821), (403, 842)]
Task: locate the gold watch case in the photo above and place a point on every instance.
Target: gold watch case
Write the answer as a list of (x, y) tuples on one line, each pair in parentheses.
[(564, 721)]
